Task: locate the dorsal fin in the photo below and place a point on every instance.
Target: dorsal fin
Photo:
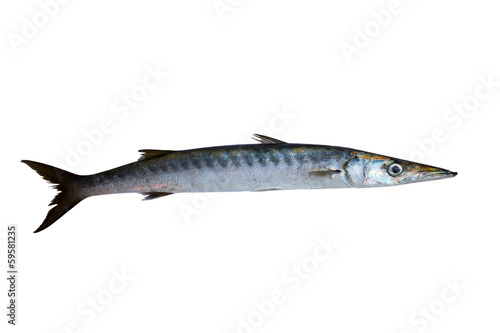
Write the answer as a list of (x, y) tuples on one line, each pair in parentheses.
[(152, 153), (266, 140)]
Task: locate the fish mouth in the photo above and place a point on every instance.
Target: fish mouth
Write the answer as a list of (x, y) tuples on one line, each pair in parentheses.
[(431, 173)]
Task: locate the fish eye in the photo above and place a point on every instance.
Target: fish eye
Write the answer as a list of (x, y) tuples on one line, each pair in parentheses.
[(395, 169)]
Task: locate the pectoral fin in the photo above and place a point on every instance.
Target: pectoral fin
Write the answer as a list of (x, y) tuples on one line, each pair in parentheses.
[(329, 173)]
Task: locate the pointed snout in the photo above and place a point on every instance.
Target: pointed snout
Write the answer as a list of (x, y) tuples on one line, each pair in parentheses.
[(425, 172)]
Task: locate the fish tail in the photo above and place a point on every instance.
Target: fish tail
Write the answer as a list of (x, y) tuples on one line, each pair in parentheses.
[(64, 181)]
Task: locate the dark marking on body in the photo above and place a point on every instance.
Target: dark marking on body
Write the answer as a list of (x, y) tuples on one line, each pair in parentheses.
[(153, 169), (300, 158), (223, 161), (286, 156), (209, 161), (249, 158), (235, 160), (184, 164), (274, 158), (173, 165), (196, 162), (261, 158)]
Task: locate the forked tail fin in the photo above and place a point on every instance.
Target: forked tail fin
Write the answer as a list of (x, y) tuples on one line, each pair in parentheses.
[(64, 182)]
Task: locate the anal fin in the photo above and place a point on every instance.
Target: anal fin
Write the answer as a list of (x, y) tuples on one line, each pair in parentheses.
[(154, 195), (269, 189)]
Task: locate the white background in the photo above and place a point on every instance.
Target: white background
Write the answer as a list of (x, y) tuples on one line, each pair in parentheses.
[(230, 74)]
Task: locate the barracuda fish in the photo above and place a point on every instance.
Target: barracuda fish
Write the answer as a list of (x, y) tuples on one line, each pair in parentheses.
[(270, 165)]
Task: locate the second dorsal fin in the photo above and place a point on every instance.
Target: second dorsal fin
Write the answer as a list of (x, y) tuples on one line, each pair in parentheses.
[(266, 140), (148, 154)]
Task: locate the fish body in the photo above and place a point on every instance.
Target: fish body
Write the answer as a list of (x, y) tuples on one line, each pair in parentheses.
[(270, 165), (226, 169)]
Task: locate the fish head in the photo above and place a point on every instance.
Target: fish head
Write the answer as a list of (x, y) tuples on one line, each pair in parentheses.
[(373, 170)]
